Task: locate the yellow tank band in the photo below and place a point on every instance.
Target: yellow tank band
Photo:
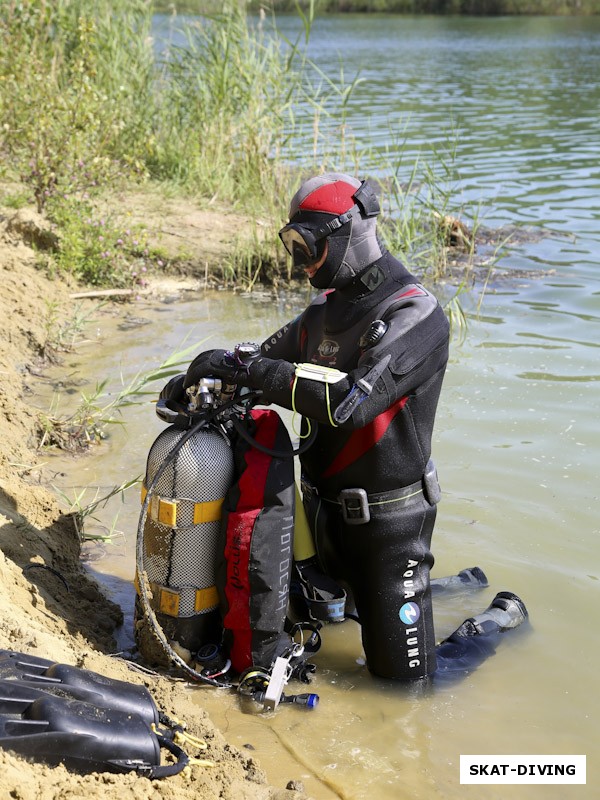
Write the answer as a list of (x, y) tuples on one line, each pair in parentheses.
[(208, 512), (206, 598), (167, 599), (164, 510)]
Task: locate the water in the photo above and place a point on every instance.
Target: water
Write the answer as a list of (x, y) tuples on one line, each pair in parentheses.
[(516, 440)]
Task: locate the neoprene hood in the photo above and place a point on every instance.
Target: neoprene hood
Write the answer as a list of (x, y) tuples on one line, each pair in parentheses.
[(350, 208)]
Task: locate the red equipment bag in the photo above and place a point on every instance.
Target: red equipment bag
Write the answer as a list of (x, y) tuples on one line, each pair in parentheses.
[(257, 528)]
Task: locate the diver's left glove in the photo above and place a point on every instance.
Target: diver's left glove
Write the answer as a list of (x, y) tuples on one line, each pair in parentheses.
[(174, 391), (172, 398), (225, 364)]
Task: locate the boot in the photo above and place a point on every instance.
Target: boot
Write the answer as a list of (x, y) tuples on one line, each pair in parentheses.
[(506, 611), (471, 578)]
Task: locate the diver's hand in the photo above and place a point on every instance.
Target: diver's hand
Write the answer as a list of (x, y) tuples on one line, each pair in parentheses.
[(210, 363), (225, 365), (172, 398), (174, 390)]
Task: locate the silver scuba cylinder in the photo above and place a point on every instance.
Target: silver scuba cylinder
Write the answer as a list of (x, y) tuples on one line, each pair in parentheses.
[(181, 537), (188, 474)]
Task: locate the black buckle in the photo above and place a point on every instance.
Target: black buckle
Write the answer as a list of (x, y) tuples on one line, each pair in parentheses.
[(355, 506)]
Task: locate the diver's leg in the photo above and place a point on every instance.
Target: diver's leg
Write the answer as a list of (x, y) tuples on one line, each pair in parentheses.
[(470, 578), (477, 637)]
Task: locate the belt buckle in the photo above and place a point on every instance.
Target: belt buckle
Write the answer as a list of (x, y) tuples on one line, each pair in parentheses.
[(355, 506)]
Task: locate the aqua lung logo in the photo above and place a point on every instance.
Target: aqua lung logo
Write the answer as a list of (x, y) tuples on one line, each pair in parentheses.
[(275, 338), (328, 348), (373, 278), (409, 614)]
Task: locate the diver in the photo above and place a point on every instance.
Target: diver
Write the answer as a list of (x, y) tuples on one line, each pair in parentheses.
[(364, 364)]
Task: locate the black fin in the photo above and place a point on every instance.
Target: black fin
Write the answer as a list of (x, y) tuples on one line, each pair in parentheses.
[(46, 723), (80, 684), (83, 736)]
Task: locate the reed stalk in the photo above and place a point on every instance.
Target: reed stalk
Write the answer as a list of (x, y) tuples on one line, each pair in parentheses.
[(102, 407)]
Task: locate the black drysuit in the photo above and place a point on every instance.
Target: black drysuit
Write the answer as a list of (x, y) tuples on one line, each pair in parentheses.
[(383, 448)]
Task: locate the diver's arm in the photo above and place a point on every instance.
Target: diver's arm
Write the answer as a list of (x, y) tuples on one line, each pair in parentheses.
[(414, 348), (286, 343)]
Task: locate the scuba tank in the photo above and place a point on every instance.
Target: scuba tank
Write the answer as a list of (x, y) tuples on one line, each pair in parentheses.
[(181, 534), (214, 543), (190, 468)]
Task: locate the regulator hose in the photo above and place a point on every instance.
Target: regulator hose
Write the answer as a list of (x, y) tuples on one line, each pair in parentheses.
[(240, 428)]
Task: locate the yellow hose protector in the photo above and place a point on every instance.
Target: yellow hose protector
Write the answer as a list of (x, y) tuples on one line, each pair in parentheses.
[(304, 546)]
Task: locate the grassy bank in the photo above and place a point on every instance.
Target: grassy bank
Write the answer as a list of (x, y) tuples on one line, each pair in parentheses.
[(88, 103), (220, 109)]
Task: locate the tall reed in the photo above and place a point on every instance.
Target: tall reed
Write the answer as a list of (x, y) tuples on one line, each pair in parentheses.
[(227, 88), (75, 99)]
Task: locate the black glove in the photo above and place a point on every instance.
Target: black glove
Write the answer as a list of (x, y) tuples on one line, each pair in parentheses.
[(224, 364), (174, 389), (209, 363), (173, 398)]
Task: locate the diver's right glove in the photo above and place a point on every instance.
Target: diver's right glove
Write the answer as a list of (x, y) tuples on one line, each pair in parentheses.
[(174, 390), (225, 364), (211, 363)]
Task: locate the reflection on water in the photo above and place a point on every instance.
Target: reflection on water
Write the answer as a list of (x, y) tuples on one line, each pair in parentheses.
[(516, 441)]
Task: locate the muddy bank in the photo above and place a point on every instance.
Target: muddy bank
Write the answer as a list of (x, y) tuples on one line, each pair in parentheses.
[(49, 606)]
